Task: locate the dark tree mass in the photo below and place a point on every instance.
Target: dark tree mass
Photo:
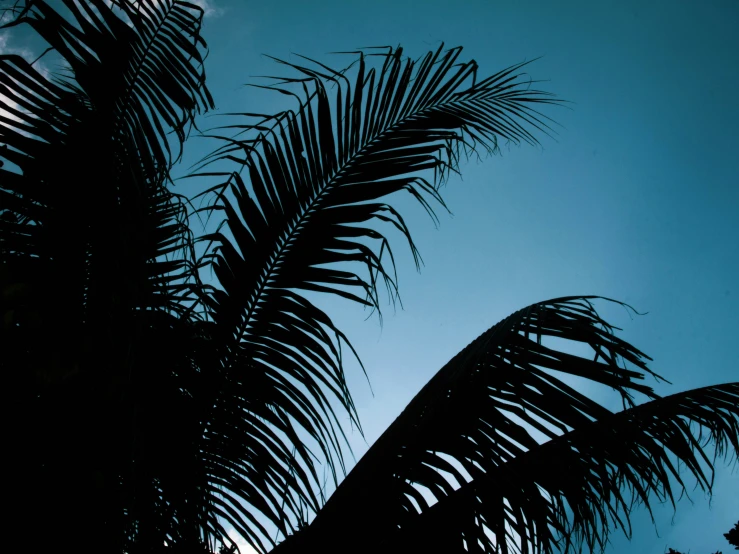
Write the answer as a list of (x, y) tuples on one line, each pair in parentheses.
[(733, 536), (171, 376)]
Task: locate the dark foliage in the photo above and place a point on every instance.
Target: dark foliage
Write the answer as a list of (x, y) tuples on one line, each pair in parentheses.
[(733, 536), (157, 406)]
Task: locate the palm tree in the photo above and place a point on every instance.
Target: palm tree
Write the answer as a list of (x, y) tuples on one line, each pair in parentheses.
[(733, 536), (157, 406)]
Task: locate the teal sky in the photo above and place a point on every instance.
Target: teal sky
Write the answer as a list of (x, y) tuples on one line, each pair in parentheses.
[(637, 198)]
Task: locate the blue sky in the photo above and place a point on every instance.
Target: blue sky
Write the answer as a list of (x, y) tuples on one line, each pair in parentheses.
[(636, 199)]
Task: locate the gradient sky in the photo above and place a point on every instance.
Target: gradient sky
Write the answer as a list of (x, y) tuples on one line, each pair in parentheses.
[(636, 199)]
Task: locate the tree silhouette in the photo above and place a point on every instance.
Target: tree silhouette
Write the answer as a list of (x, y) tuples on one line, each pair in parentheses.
[(168, 386), (733, 536)]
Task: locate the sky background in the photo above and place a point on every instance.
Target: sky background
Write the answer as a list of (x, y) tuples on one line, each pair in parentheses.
[(636, 199)]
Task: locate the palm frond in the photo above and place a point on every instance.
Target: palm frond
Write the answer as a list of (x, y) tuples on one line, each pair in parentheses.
[(98, 137), (96, 259), (571, 492), (464, 469), (138, 66), (312, 217)]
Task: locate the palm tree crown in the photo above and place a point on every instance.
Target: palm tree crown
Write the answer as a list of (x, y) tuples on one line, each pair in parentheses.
[(161, 406)]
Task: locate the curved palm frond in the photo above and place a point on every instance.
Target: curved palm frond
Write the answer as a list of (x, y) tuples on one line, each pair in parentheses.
[(90, 150), (138, 66), (572, 491), (313, 217), (463, 469)]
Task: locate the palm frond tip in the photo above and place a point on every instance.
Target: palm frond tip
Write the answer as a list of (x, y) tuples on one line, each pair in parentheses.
[(498, 453)]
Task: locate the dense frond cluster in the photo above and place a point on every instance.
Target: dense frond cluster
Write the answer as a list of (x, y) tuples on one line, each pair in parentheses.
[(97, 265)]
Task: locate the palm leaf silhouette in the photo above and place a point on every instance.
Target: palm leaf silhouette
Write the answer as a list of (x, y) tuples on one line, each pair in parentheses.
[(312, 211), (162, 408), (469, 441), (96, 260)]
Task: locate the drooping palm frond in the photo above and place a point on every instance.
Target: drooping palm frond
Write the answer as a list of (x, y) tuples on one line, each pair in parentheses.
[(462, 469), (313, 217), (90, 150), (571, 492), (138, 66), (96, 253)]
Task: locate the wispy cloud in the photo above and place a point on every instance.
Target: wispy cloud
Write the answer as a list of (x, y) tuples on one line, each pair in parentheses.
[(244, 547), (26, 53), (209, 8), (7, 104)]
